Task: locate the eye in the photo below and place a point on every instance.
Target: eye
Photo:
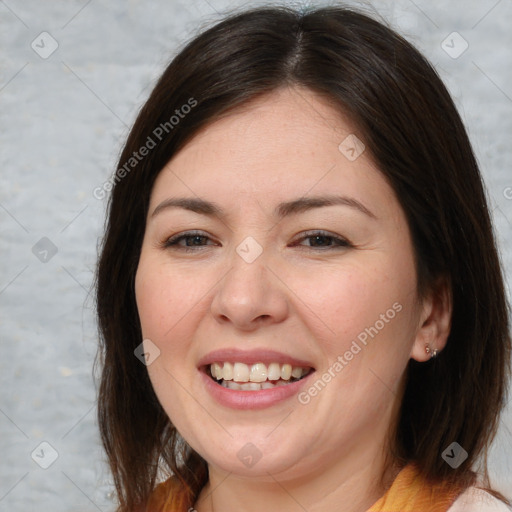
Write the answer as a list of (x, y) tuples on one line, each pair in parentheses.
[(322, 240), (191, 238), (194, 240)]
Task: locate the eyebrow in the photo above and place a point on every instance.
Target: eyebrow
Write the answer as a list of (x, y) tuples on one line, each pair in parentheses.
[(282, 210)]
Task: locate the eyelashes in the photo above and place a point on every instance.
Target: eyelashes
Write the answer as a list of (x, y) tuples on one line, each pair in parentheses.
[(174, 241), (197, 238)]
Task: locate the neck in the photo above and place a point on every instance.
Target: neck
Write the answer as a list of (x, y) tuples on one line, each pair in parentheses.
[(356, 482)]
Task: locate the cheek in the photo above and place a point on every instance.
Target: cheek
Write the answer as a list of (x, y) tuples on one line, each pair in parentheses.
[(153, 303), (165, 305), (346, 301), (164, 302)]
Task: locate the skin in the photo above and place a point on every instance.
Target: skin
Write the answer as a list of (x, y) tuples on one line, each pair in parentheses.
[(303, 299)]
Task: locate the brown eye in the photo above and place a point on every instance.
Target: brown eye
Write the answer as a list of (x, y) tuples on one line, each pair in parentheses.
[(192, 239), (323, 240)]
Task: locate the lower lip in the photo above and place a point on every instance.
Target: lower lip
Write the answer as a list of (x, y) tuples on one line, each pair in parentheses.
[(251, 399)]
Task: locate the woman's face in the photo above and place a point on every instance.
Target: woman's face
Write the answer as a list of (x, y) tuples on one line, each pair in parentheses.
[(270, 248)]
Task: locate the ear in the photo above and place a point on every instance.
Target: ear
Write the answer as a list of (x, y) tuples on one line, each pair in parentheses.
[(435, 320)]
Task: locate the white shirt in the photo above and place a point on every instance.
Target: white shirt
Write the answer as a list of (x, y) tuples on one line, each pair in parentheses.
[(474, 499)]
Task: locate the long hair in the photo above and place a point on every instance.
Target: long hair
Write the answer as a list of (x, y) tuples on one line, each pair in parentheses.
[(413, 133)]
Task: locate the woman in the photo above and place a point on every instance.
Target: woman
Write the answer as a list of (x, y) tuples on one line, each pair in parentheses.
[(299, 296)]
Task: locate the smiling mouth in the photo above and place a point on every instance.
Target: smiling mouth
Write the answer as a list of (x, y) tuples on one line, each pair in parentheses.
[(242, 377)]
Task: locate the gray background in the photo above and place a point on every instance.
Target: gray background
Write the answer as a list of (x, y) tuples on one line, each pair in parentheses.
[(63, 121)]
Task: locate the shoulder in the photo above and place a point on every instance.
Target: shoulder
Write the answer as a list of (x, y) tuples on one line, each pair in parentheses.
[(475, 499), (168, 496)]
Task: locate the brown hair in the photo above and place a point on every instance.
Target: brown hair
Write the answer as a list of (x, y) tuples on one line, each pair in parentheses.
[(413, 132)]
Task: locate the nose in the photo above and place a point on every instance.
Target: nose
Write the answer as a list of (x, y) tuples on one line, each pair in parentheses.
[(250, 295)]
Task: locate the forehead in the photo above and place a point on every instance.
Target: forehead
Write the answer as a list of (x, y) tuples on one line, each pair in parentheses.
[(285, 125), (287, 144)]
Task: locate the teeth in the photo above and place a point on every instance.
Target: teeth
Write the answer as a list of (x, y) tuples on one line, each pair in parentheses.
[(241, 372), (274, 371), (251, 386), (226, 372), (274, 374), (286, 371), (216, 370), (258, 373), (297, 372)]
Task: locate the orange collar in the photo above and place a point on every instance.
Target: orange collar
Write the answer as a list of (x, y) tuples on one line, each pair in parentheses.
[(410, 492)]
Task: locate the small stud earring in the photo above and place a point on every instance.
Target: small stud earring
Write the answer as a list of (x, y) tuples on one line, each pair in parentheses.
[(428, 350)]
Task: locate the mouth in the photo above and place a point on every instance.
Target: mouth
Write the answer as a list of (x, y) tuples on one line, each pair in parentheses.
[(239, 376)]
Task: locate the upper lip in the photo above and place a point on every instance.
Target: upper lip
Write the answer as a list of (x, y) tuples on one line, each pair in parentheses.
[(253, 356)]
